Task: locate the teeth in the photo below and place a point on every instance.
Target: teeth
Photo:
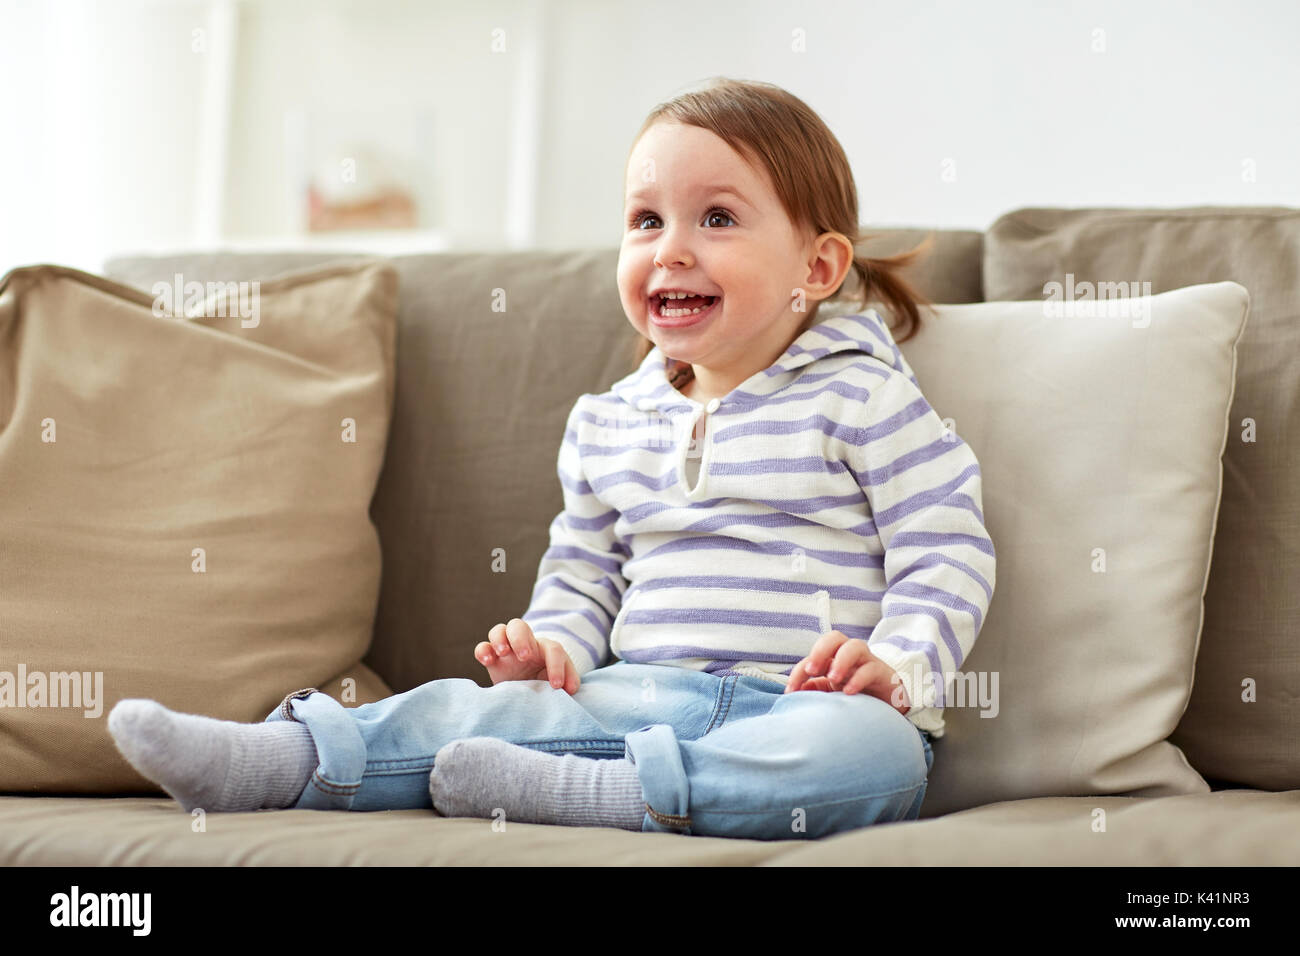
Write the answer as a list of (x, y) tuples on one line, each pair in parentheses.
[(675, 313)]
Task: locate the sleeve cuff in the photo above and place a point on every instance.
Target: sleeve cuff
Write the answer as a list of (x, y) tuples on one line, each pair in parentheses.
[(580, 656), (912, 668)]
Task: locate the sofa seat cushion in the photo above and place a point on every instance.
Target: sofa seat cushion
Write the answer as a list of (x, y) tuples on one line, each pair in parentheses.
[(1225, 828)]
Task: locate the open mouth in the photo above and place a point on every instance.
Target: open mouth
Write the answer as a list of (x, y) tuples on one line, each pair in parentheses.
[(679, 312)]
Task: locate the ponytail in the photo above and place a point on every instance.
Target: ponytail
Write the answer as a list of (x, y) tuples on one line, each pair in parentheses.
[(880, 282)]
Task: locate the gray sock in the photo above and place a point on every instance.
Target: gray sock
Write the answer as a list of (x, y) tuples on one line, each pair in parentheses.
[(475, 776), (218, 765)]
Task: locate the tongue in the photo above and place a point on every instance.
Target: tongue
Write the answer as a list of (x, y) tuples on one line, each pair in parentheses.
[(690, 302)]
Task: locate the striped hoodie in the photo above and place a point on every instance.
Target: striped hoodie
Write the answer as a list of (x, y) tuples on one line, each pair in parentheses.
[(824, 494)]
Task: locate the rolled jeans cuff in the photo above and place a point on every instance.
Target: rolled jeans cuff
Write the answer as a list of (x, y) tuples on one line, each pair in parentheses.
[(658, 759), (339, 748)]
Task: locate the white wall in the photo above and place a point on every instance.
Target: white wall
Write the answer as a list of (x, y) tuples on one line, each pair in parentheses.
[(114, 137), (99, 138)]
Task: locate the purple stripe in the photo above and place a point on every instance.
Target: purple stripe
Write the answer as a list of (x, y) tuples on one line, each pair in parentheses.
[(628, 418), (544, 627), (939, 596), (850, 559), (865, 529), (823, 350), (710, 615), (934, 559), (917, 456), (725, 667), (875, 329), (858, 631), (822, 327), (893, 608), (880, 331), (545, 614), (774, 519), (932, 655), (796, 506), (598, 523), (814, 464), (942, 539), (773, 585), (672, 652), (795, 426), (825, 382), (562, 552), (557, 579), (632, 476), (660, 391), (866, 434), (667, 443), (778, 398), (577, 486), (941, 495), (787, 509), (964, 500)]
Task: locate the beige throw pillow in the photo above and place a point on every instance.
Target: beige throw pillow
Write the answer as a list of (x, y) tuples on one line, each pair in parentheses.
[(185, 504), (1099, 438), (1242, 725)]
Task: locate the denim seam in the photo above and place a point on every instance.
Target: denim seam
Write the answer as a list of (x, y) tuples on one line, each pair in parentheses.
[(825, 803), (408, 764), (286, 712), (722, 703), (669, 819), (334, 789), (598, 746)]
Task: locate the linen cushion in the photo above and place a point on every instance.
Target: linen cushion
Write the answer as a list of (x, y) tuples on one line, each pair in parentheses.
[(183, 517), (1242, 725), (1099, 441)]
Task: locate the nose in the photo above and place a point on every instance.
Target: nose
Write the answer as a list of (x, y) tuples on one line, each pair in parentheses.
[(673, 249)]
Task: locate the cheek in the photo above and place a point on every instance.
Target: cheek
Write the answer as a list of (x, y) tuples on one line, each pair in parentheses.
[(630, 282)]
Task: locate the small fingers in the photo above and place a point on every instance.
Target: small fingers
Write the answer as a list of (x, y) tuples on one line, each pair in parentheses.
[(521, 641), (555, 660), (560, 669), (798, 675), (865, 676), (499, 641), (823, 651), (847, 658)]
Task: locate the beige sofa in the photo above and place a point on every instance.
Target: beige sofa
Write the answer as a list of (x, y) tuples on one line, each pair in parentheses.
[(446, 491)]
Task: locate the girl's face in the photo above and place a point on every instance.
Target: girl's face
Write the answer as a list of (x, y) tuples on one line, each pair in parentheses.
[(707, 221)]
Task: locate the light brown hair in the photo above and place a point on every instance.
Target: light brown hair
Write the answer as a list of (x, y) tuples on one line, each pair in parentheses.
[(780, 133)]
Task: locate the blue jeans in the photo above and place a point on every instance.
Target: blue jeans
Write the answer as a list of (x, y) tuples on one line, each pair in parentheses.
[(729, 756)]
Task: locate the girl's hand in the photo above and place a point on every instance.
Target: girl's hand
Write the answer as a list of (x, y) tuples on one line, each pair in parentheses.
[(513, 652), (852, 668)]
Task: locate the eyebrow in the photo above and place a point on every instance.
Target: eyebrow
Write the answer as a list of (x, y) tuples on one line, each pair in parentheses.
[(705, 190)]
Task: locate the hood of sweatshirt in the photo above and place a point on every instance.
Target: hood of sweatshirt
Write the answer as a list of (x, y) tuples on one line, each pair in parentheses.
[(650, 388)]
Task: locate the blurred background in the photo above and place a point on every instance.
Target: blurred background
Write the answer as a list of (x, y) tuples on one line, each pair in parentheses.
[(400, 126)]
